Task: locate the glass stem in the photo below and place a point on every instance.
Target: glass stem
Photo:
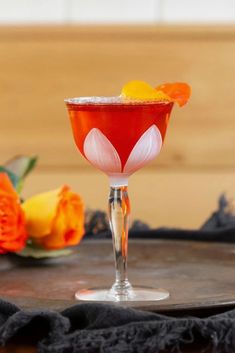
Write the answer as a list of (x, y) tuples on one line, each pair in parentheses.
[(119, 211)]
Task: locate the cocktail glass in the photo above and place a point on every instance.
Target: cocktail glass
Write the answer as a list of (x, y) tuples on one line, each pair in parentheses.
[(119, 137)]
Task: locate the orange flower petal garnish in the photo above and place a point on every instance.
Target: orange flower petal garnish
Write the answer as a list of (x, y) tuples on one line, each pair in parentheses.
[(141, 90), (179, 92)]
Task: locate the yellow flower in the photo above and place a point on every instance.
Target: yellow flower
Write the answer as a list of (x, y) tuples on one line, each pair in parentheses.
[(55, 219)]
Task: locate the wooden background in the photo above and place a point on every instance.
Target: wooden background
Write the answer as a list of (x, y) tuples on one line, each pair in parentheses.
[(40, 66)]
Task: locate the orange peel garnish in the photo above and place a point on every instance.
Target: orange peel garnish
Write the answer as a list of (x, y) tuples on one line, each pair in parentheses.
[(179, 92), (141, 90)]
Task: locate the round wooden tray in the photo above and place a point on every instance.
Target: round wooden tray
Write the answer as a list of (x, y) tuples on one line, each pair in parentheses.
[(197, 275)]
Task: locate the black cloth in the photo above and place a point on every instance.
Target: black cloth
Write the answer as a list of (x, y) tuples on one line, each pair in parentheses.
[(219, 227), (101, 328)]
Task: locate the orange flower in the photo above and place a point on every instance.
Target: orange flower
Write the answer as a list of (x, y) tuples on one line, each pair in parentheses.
[(12, 221), (55, 219)]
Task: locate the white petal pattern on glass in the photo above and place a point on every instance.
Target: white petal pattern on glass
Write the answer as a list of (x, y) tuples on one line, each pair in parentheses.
[(145, 150), (101, 153)]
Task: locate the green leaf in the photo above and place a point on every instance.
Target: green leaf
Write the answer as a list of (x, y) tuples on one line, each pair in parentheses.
[(21, 165), (13, 177), (39, 253)]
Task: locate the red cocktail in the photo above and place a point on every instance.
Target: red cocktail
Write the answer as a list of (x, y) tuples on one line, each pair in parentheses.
[(119, 135)]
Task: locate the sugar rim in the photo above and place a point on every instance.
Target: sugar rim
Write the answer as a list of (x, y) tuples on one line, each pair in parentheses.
[(107, 100)]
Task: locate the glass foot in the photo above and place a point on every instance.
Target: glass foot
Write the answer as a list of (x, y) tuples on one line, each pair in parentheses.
[(136, 294)]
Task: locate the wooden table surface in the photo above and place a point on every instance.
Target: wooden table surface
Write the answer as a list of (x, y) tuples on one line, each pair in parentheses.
[(197, 275), (18, 348)]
